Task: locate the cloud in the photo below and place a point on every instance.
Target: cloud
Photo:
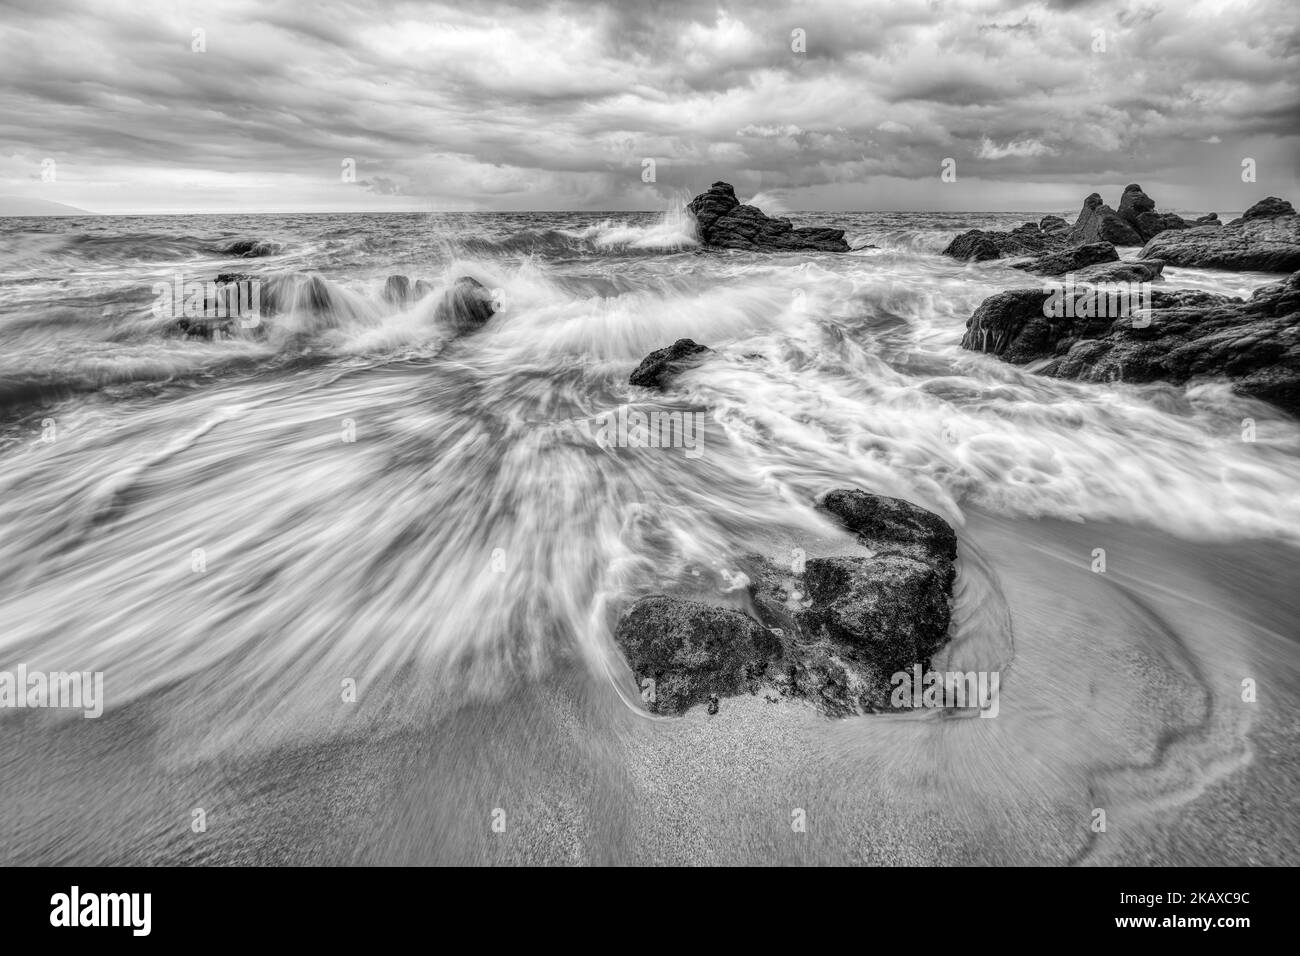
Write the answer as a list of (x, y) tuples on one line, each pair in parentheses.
[(513, 105), (1025, 147)]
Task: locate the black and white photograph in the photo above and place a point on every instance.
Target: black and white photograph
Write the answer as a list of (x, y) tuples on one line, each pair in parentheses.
[(655, 434)]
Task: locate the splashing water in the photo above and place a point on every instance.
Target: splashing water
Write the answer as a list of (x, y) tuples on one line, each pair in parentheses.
[(354, 493)]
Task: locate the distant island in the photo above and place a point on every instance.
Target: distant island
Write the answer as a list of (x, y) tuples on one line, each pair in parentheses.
[(25, 206)]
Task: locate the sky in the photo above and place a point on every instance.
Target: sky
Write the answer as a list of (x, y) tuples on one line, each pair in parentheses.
[(262, 106)]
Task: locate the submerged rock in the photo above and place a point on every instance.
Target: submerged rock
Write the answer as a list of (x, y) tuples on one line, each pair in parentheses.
[(1252, 343), (833, 634), (723, 221), (659, 367), (1266, 238), (466, 306), (251, 248)]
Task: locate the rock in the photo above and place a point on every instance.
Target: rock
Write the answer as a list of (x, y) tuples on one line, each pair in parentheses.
[(659, 367), (234, 304), (833, 635), (422, 288), (1051, 224), (1069, 260), (251, 248), (892, 523), (1097, 222), (465, 306), (1209, 220), (1266, 244), (1253, 343), (692, 650), (1139, 211), (1144, 271), (722, 221), (1269, 208), (397, 290), (977, 245)]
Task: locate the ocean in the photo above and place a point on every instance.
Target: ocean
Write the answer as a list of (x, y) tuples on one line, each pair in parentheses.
[(231, 530)]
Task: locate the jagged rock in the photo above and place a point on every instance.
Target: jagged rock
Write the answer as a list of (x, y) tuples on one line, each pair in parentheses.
[(1263, 243), (1139, 211), (1253, 343), (1269, 208), (724, 222), (659, 367), (1097, 222), (465, 306), (1069, 260), (833, 634)]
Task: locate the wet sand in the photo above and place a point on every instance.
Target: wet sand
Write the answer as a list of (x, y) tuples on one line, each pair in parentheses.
[(1123, 694)]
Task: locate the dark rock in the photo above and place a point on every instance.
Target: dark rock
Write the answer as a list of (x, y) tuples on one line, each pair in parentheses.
[(692, 650), (1269, 208), (1266, 244), (713, 704), (724, 222), (1139, 211), (234, 304), (977, 245), (1252, 343), (892, 523), (1069, 260), (251, 248), (1208, 220), (1144, 271), (833, 635), (397, 290), (659, 367), (466, 306), (1097, 222), (1052, 224)]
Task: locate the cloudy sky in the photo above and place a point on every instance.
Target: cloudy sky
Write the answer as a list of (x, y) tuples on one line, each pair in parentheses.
[(500, 105)]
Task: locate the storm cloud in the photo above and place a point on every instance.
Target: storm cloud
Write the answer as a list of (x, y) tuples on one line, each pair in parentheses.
[(253, 106)]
